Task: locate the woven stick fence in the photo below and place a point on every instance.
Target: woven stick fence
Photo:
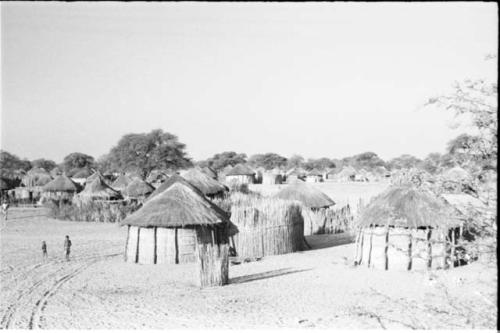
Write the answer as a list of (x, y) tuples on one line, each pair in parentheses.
[(213, 263), (327, 220), (266, 226)]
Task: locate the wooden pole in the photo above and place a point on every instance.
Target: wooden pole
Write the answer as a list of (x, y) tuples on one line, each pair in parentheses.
[(361, 246), (126, 244), (429, 248), (137, 247), (370, 248), (356, 255), (410, 240), (445, 249), (453, 258), (155, 241), (176, 243), (386, 250)]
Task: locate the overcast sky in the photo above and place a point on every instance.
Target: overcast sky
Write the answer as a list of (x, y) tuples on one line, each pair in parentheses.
[(316, 79)]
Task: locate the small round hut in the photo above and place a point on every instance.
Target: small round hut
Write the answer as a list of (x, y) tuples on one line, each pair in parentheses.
[(208, 186), (315, 202), (180, 225), (61, 188), (407, 228), (347, 174), (240, 174), (138, 190), (98, 190), (121, 183), (314, 176)]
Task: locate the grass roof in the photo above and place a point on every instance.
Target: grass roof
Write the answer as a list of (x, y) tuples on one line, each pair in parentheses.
[(121, 183), (138, 188), (209, 172), (239, 170), (98, 189), (96, 174), (308, 195), (203, 182), (61, 183), (181, 204), (80, 173), (407, 206)]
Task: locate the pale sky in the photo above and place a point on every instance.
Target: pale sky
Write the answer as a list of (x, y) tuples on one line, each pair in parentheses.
[(316, 79)]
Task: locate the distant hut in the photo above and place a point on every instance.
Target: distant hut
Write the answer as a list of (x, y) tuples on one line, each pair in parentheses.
[(313, 200), (138, 189), (98, 190), (209, 172), (314, 176), (294, 174), (272, 178), (221, 175), (347, 174), (56, 171), (407, 228), (330, 174), (121, 183), (208, 186), (61, 188), (240, 174), (361, 176), (177, 226)]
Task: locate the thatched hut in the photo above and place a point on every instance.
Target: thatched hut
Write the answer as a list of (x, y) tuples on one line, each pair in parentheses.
[(94, 176), (121, 183), (56, 171), (61, 188), (330, 174), (177, 226), (294, 174), (314, 176), (361, 176), (241, 174), (347, 174), (98, 190), (272, 178), (407, 228), (208, 186), (209, 172), (138, 189)]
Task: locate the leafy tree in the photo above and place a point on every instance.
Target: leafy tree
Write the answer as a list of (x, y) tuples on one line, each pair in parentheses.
[(220, 161), (319, 163), (432, 163), (144, 152), (267, 161), (78, 161), (368, 160), (12, 166), (43, 163), (295, 161), (404, 161)]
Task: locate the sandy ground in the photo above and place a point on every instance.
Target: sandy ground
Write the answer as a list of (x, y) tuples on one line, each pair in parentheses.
[(317, 288)]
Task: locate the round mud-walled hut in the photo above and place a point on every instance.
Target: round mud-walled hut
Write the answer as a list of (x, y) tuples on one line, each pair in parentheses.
[(315, 204), (61, 188), (180, 225), (240, 174), (138, 190), (407, 228), (121, 183), (207, 185)]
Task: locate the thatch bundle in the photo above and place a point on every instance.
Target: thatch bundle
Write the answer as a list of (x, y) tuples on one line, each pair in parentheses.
[(407, 228), (138, 189), (209, 186), (98, 190), (180, 225), (121, 183), (306, 194), (266, 226)]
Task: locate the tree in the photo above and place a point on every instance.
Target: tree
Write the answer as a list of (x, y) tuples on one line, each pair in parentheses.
[(432, 163), (319, 163), (145, 152), (367, 160), (295, 161), (43, 163), (12, 166), (267, 161), (220, 161), (78, 161), (404, 161)]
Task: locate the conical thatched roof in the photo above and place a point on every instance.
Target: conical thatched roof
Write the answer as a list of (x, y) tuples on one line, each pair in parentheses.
[(346, 172), (98, 189), (239, 170), (61, 183), (406, 206), (178, 206), (138, 188), (308, 195), (96, 174), (203, 182), (210, 172), (121, 182)]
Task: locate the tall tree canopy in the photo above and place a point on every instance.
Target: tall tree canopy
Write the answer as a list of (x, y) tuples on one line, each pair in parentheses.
[(267, 161), (77, 161), (43, 163), (145, 152), (368, 160), (295, 161), (319, 163), (220, 161), (12, 166), (404, 161)]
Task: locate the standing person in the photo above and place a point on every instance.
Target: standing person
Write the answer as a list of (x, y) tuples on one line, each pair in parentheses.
[(44, 250), (5, 209), (67, 246)]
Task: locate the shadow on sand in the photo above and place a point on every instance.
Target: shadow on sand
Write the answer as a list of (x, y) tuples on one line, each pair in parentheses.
[(266, 275), (329, 240)]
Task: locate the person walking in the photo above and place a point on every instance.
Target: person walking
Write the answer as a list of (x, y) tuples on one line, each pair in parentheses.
[(67, 246), (44, 250), (5, 209)]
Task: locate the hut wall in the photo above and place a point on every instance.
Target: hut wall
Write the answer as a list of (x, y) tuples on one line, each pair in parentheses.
[(212, 256), (242, 179), (147, 246), (166, 246), (371, 246), (131, 244)]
